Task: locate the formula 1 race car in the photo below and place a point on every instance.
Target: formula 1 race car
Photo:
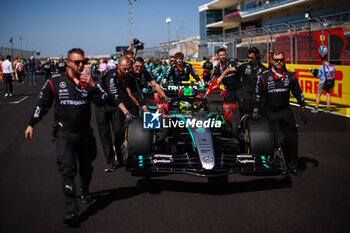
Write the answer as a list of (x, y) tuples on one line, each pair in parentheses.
[(188, 135)]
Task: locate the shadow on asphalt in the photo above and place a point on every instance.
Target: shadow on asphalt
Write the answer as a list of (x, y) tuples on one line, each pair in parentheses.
[(104, 198), (303, 161)]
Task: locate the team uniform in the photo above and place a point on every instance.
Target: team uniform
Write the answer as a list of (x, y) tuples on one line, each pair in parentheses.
[(61, 66), (47, 70), (181, 74), (246, 92), (74, 137), (231, 81), (207, 69), (276, 91)]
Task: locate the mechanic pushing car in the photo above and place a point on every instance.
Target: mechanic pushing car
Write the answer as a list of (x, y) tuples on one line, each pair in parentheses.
[(276, 85), (180, 71), (119, 94), (231, 81), (143, 76), (75, 142)]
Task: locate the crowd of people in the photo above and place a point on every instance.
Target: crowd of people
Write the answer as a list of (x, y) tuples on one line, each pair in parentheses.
[(72, 84)]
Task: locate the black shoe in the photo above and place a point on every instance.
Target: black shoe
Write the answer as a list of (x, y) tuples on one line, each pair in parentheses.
[(71, 218), (296, 172), (85, 196)]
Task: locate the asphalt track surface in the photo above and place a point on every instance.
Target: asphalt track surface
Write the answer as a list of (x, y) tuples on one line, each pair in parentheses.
[(32, 200)]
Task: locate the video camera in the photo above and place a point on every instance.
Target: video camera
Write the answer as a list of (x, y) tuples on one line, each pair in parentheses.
[(314, 72)]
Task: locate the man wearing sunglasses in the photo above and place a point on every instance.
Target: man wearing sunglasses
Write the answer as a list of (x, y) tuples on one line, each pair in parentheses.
[(75, 143), (275, 85)]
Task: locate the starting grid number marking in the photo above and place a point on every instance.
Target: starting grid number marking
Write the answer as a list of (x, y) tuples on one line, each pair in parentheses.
[(15, 102)]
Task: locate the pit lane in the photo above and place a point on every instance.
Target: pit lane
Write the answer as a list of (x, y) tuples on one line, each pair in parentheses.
[(32, 201)]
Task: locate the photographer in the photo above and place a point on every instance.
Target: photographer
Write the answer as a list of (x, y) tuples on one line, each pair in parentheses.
[(326, 72)]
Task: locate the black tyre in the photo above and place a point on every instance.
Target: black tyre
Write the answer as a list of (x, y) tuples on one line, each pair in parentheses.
[(139, 140), (260, 137)]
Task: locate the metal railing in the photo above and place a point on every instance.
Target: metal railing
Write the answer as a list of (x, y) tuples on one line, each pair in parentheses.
[(15, 53), (303, 42)]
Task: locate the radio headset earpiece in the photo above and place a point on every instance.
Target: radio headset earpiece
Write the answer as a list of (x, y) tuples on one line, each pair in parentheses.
[(255, 51)]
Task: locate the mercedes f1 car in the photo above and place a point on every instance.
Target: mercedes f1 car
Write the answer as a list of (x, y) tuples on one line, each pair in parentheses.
[(188, 135)]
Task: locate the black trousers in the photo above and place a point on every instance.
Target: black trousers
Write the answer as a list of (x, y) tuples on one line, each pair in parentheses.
[(20, 75), (119, 131), (105, 117), (75, 151), (284, 128), (246, 106), (8, 83)]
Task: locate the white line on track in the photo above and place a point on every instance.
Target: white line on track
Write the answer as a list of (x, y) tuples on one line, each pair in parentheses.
[(320, 110), (15, 102)]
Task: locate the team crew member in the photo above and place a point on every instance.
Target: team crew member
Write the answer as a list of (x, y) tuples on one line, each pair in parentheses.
[(207, 68), (231, 81), (180, 71), (114, 112), (250, 72), (142, 76), (75, 142), (47, 69), (61, 65), (276, 85)]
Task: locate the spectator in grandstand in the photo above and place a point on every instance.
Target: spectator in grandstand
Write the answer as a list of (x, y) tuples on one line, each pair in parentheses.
[(7, 71), (325, 72)]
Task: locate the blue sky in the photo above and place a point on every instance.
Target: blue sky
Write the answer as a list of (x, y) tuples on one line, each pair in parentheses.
[(97, 26)]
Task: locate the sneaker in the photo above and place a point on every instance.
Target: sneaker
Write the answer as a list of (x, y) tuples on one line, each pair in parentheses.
[(6, 95), (10, 94), (327, 110), (315, 110), (85, 196), (111, 168), (71, 218)]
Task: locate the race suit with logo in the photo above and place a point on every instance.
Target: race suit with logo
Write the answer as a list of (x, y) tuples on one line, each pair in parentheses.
[(181, 73), (208, 68), (276, 91), (74, 137)]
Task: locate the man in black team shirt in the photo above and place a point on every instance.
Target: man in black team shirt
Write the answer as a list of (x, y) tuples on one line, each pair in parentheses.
[(250, 73), (75, 143), (114, 112), (207, 68), (231, 81), (142, 77), (275, 85), (61, 65), (180, 71)]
